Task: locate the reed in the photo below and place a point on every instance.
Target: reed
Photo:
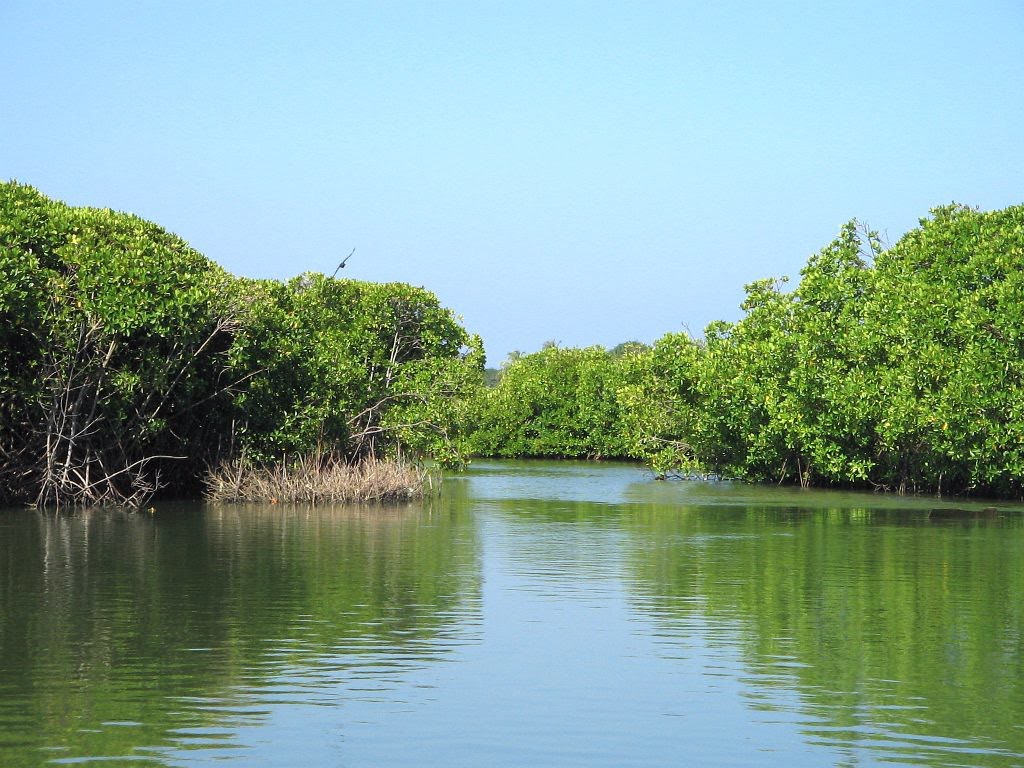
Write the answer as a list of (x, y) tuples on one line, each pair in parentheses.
[(320, 478)]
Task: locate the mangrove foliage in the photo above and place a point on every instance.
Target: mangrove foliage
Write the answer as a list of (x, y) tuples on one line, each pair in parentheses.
[(130, 363), (896, 368)]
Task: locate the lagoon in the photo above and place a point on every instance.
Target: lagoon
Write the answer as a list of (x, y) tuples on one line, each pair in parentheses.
[(535, 613)]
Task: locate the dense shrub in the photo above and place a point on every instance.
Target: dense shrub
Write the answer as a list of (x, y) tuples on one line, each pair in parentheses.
[(372, 368), (109, 332), (557, 402), (897, 368), (130, 362)]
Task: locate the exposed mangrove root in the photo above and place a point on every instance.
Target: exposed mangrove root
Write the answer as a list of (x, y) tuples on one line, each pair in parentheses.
[(317, 479)]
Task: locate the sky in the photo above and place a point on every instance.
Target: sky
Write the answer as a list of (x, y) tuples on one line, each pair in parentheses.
[(578, 172)]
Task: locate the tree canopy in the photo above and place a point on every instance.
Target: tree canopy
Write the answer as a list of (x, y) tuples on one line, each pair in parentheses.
[(130, 362), (896, 368)]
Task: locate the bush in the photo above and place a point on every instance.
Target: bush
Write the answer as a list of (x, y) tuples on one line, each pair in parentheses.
[(112, 344), (895, 368), (129, 362), (364, 368), (556, 403)]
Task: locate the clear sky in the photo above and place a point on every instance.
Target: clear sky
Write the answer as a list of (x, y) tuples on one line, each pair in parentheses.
[(587, 172)]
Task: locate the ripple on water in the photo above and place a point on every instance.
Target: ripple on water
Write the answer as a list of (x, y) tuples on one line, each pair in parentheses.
[(569, 614)]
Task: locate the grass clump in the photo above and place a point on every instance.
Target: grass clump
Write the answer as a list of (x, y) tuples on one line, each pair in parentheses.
[(322, 478)]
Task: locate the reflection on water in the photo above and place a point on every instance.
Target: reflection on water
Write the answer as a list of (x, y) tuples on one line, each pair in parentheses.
[(127, 631), (537, 613), (896, 635)]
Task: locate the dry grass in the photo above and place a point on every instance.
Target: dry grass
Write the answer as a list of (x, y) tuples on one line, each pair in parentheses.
[(317, 479)]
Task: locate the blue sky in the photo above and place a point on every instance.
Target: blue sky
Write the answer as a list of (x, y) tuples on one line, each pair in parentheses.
[(585, 172)]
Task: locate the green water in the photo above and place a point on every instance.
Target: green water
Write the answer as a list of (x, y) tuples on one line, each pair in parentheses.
[(535, 614)]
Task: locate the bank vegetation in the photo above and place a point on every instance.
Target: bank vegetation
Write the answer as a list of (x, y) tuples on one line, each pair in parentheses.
[(890, 367), (130, 365), (318, 478)]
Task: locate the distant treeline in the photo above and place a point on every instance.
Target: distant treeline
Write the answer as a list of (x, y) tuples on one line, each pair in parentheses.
[(897, 368), (130, 363)]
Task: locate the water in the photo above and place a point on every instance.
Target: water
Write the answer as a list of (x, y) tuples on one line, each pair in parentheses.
[(536, 614)]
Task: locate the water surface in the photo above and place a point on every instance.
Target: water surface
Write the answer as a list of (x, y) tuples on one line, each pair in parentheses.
[(534, 614)]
